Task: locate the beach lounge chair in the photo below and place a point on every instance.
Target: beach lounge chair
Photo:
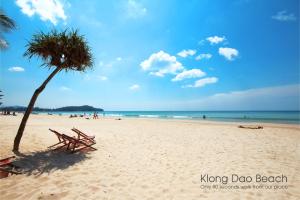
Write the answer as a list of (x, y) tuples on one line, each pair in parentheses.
[(61, 140), (83, 136), (76, 145), (7, 167), (71, 143)]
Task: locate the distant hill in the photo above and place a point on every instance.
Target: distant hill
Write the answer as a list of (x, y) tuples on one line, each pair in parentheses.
[(79, 108), (84, 108)]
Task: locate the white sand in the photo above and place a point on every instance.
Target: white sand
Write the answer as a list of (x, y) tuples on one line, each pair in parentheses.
[(149, 159)]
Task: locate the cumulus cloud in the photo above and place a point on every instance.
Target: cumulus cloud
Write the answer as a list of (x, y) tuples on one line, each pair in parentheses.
[(284, 16), (161, 63), (134, 87), (228, 53), (215, 39), (51, 10), (202, 82), (185, 53), (193, 73), (135, 9), (16, 69), (203, 56)]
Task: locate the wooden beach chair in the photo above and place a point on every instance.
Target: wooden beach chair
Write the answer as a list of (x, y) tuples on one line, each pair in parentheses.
[(77, 145), (7, 167), (61, 140), (83, 136)]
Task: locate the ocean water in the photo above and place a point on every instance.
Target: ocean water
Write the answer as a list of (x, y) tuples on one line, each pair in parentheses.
[(289, 117)]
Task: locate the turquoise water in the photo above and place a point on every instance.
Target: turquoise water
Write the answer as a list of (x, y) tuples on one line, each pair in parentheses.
[(290, 117)]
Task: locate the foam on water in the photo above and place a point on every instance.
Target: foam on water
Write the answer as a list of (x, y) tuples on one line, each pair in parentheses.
[(290, 117)]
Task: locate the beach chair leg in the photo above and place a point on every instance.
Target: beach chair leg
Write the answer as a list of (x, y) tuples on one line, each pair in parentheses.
[(60, 147), (89, 146), (93, 148), (55, 144), (74, 148)]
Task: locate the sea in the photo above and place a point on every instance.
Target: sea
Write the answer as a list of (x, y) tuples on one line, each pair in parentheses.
[(286, 117)]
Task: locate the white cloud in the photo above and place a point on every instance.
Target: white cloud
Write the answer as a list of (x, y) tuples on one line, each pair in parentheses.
[(215, 39), (119, 58), (161, 63), (64, 88), (51, 10), (16, 69), (184, 53), (284, 16), (134, 87), (203, 56), (193, 73), (284, 97), (135, 9), (102, 78), (228, 53), (202, 82)]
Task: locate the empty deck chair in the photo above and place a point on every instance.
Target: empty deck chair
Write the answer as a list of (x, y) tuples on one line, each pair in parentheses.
[(83, 136), (75, 145)]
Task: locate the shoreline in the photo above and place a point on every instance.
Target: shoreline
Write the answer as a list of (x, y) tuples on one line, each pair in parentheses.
[(197, 119)]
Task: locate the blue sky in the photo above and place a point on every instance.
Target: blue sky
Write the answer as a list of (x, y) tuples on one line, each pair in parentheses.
[(162, 55)]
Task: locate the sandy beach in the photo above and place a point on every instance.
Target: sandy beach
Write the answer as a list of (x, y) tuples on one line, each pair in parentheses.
[(150, 159)]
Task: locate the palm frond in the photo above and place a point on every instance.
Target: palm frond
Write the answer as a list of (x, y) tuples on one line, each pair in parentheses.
[(67, 50), (6, 23)]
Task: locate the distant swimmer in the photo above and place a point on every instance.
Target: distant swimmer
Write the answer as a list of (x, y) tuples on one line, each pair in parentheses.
[(204, 117)]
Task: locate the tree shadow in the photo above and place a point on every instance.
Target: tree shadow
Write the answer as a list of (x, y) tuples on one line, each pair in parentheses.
[(48, 161)]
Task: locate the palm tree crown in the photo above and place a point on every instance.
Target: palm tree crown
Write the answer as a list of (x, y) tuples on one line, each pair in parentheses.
[(6, 25), (66, 50)]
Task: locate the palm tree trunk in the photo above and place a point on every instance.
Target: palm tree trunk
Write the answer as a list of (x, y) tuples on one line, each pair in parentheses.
[(29, 109)]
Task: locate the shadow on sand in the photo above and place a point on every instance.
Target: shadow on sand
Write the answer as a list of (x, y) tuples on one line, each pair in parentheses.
[(47, 161)]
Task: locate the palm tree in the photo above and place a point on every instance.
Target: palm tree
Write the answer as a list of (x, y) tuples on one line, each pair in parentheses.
[(65, 50), (6, 25)]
